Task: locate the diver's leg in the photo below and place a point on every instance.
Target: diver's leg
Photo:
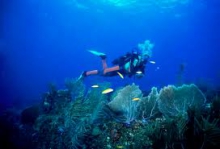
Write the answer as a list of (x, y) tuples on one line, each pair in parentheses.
[(87, 73), (111, 69), (104, 64), (92, 72)]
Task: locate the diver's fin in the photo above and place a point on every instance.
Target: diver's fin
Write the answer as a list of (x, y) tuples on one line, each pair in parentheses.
[(102, 55), (81, 77), (96, 53)]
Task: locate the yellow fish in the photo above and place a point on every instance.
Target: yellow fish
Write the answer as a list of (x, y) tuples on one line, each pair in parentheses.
[(136, 99), (95, 86), (109, 90), (120, 75), (120, 146)]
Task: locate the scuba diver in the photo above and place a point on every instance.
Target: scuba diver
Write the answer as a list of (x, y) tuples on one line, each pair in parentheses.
[(131, 64)]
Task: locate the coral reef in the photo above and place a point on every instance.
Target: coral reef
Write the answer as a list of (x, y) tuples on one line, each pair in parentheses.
[(171, 117)]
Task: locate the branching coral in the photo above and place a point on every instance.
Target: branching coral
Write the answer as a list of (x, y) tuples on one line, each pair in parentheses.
[(75, 88), (208, 130), (68, 122)]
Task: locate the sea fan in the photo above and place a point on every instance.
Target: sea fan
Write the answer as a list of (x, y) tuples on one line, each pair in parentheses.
[(175, 101), (124, 104)]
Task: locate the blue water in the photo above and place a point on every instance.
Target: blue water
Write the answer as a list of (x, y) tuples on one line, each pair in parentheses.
[(43, 41)]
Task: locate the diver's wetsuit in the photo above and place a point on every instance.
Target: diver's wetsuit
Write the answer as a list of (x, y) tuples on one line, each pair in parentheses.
[(129, 65)]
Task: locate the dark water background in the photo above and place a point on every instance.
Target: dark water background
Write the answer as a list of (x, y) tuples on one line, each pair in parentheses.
[(43, 41)]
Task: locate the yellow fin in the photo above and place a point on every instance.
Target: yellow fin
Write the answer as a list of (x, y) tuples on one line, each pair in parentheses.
[(106, 91), (95, 86), (136, 99), (120, 75)]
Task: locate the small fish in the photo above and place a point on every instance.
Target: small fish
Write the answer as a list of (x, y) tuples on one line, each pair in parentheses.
[(46, 103), (157, 68), (120, 146), (120, 75), (136, 99), (139, 72), (95, 86), (109, 90), (152, 62), (208, 105)]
